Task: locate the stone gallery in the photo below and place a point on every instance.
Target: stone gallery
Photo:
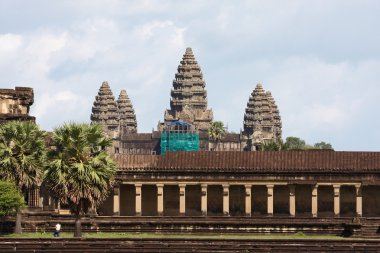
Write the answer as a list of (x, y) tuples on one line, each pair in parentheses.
[(203, 184)]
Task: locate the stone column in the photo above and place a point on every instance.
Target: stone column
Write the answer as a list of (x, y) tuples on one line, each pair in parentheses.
[(270, 199), (336, 200), (248, 199), (182, 199), (116, 200), (138, 199), (226, 199), (359, 200), (160, 199), (204, 199), (314, 201), (292, 200)]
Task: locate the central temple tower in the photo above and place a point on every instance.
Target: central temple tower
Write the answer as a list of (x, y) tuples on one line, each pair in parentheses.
[(188, 97)]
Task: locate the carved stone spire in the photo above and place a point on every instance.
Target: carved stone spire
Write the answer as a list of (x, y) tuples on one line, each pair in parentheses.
[(104, 110), (262, 119), (188, 97), (126, 113), (277, 124)]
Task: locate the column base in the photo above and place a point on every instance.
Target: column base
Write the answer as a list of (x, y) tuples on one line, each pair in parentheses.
[(204, 213)]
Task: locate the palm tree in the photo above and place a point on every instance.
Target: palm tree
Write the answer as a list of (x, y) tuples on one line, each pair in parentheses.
[(216, 132), (22, 156), (79, 171)]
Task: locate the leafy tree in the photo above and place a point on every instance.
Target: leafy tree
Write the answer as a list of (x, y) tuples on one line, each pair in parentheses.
[(274, 146), (216, 131), (295, 143), (22, 156), (323, 145), (11, 200), (80, 172)]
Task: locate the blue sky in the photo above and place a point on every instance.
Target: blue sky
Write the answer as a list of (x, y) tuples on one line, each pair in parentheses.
[(320, 59)]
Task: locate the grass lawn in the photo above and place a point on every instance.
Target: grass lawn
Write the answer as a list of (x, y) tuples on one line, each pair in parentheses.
[(151, 235)]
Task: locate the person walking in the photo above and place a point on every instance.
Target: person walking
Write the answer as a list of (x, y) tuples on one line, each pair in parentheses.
[(57, 230)]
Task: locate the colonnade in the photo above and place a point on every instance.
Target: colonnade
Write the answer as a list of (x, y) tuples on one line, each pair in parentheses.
[(248, 197)]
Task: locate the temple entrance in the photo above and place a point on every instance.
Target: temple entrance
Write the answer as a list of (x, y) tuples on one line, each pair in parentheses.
[(215, 200), (259, 200), (347, 201), (237, 200), (149, 200), (371, 200), (281, 200), (303, 200), (171, 200), (193, 197), (325, 200), (127, 200)]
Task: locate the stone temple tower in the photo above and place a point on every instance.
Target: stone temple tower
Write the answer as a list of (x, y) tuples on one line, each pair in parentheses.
[(262, 121), (105, 111), (188, 97), (127, 114)]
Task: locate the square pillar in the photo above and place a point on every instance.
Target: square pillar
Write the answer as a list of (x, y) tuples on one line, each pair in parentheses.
[(314, 201), (270, 199), (336, 200), (182, 199), (292, 200), (138, 199), (226, 199), (116, 200), (359, 200), (248, 199), (204, 199), (160, 199)]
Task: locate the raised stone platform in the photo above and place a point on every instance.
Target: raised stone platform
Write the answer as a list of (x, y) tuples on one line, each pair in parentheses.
[(203, 225)]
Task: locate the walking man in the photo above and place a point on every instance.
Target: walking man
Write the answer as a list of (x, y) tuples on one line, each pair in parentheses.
[(57, 230)]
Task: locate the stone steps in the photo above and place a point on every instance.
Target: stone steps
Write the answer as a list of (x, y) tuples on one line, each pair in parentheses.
[(65, 245)]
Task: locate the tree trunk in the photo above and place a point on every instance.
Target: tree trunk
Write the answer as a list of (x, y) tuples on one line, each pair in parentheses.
[(18, 228), (78, 226)]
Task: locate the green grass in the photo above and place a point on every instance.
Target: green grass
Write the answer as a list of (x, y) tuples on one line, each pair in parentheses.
[(151, 235)]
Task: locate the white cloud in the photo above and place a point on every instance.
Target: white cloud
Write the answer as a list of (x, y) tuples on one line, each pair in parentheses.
[(320, 63)]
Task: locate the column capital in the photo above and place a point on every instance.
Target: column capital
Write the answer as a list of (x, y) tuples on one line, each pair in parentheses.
[(226, 186), (160, 185), (181, 185), (270, 186), (248, 186), (138, 185)]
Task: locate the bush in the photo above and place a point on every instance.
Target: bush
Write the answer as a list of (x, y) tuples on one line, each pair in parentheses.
[(11, 200)]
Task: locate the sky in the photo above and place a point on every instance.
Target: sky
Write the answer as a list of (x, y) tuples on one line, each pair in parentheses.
[(320, 59)]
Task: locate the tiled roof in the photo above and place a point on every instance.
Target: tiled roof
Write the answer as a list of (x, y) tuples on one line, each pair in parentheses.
[(276, 161)]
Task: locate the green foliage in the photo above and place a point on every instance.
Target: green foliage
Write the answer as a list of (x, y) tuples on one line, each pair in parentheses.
[(292, 143), (274, 146), (295, 143), (322, 145), (79, 171), (11, 200), (216, 131), (22, 153)]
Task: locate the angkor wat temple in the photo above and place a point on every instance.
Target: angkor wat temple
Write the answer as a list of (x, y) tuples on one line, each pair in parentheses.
[(219, 186), (188, 103)]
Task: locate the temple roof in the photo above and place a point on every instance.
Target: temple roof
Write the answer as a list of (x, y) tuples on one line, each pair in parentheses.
[(126, 112), (188, 97), (262, 117), (104, 110), (310, 161)]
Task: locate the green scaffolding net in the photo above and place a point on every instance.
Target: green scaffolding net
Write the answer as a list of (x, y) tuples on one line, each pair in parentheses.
[(177, 141)]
